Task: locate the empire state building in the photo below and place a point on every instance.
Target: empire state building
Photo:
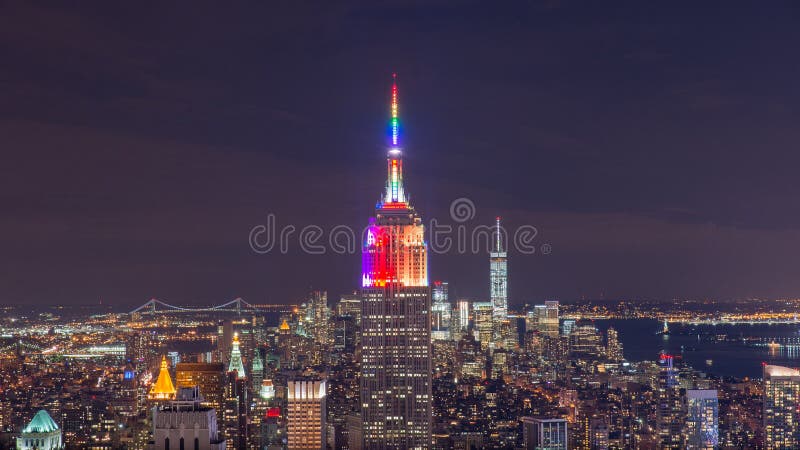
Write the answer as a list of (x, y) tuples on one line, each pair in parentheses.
[(395, 317)]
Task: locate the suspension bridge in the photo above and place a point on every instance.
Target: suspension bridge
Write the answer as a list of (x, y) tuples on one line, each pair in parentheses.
[(238, 306)]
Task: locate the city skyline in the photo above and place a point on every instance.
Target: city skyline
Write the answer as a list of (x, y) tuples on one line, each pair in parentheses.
[(656, 167), (226, 229)]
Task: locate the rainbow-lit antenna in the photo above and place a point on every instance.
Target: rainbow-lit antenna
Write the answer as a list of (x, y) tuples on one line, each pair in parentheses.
[(395, 119), (394, 183)]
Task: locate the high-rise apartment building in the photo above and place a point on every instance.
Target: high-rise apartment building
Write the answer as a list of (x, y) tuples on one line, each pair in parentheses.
[(395, 379), (669, 407), (702, 418), (613, 345), (305, 414), (781, 402)]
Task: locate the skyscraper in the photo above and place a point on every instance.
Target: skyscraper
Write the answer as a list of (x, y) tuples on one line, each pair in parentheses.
[(395, 382), (781, 401), (613, 345), (484, 323), (441, 312), (463, 317), (209, 377), (702, 430), (669, 407), (306, 414), (498, 277), (549, 323), (544, 434)]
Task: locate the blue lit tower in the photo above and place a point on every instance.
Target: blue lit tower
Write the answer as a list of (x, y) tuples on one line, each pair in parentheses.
[(702, 419)]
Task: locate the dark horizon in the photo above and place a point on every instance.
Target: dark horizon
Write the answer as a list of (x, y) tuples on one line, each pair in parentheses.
[(652, 148)]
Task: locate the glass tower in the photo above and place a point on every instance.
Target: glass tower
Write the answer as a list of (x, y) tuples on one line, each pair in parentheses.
[(498, 277)]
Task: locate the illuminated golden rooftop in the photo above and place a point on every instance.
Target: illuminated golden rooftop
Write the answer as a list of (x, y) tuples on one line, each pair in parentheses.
[(284, 326), (162, 389)]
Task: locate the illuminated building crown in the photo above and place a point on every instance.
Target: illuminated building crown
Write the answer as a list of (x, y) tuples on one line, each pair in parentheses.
[(394, 248), (236, 364), (163, 389)]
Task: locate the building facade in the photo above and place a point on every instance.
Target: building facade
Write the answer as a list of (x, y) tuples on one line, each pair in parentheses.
[(185, 424), (209, 377), (441, 312), (305, 414), (702, 419), (544, 434)]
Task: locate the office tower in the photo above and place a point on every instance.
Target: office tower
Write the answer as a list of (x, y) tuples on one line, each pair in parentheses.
[(598, 434), (500, 360), (208, 377), (585, 339), (317, 317), (185, 423), (235, 363), (483, 313), (350, 306), (544, 434), (441, 312), (702, 430), (395, 382), (548, 322), (41, 433), (344, 334), (234, 414), (470, 358), (224, 339), (613, 345), (463, 317), (567, 326), (498, 276), (256, 371), (669, 407), (305, 414), (162, 389), (781, 403)]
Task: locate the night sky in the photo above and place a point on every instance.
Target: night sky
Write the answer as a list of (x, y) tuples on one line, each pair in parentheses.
[(655, 149)]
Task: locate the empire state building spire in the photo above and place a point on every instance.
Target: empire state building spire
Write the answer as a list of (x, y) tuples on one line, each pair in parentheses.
[(395, 194)]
